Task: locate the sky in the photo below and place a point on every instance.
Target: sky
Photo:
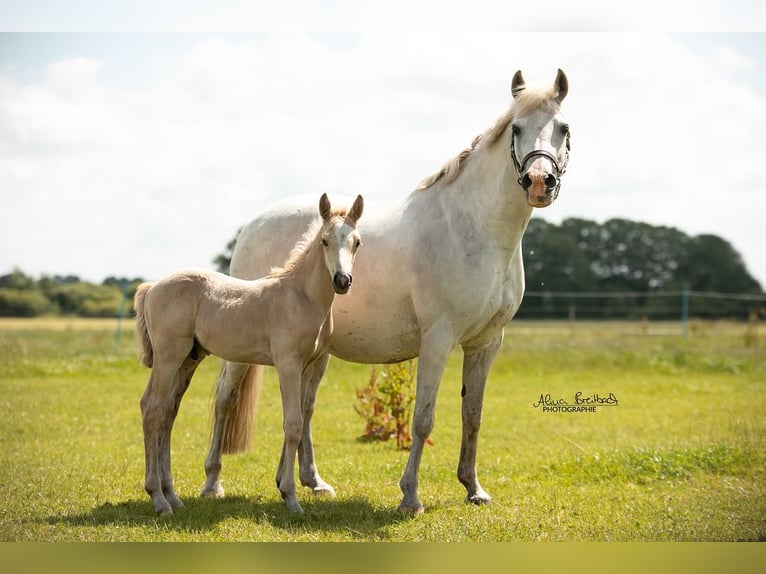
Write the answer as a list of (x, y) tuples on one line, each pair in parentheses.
[(138, 144)]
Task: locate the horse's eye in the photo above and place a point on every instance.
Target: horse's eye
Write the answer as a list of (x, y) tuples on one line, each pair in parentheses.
[(324, 242), (515, 129), (564, 129), (358, 243)]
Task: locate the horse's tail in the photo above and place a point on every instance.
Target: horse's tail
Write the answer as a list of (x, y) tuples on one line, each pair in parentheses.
[(238, 432), (142, 333)]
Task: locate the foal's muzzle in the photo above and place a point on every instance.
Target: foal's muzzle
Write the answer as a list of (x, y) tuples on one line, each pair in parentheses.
[(341, 282)]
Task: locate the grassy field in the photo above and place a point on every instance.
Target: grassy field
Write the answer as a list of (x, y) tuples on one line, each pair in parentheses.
[(681, 457)]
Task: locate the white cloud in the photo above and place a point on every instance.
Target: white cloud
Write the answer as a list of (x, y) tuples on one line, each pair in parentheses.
[(103, 180)]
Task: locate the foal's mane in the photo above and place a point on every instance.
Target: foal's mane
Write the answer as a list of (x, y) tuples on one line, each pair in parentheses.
[(524, 103), (305, 243)]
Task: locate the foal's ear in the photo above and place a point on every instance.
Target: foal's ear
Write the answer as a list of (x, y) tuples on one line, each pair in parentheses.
[(517, 84), (325, 209), (356, 210)]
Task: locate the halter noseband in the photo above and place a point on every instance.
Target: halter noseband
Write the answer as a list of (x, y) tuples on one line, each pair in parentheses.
[(561, 168)]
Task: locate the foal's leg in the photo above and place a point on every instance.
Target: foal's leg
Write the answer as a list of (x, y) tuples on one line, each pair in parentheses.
[(476, 366), (227, 391), (307, 469), (151, 422), (435, 347), (289, 371), (159, 405), (183, 378)]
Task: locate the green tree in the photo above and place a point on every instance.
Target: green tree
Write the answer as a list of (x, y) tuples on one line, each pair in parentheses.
[(622, 255), (222, 261)]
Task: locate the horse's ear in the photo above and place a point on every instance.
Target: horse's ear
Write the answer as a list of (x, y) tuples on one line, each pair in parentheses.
[(325, 209), (562, 85), (356, 210), (517, 84)]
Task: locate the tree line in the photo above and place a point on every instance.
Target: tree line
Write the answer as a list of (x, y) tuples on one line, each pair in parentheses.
[(632, 262), (24, 296), (632, 258)]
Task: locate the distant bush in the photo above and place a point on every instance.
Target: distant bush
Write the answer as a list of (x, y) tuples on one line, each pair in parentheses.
[(24, 296), (17, 303)]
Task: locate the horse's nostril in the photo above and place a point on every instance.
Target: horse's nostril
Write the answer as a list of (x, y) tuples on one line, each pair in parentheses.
[(550, 181), (342, 280), (526, 181)]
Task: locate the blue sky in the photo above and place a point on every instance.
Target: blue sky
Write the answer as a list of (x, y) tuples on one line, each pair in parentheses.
[(138, 153)]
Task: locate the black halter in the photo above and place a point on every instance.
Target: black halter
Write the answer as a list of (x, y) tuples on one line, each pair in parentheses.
[(560, 167)]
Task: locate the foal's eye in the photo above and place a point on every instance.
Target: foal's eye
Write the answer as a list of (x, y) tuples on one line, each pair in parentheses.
[(515, 129), (564, 129), (324, 242), (358, 244)]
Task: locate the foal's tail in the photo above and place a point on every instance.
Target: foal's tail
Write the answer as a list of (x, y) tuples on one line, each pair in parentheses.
[(238, 430), (142, 333)]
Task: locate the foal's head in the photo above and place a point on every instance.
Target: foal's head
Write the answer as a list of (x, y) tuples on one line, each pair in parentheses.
[(340, 240)]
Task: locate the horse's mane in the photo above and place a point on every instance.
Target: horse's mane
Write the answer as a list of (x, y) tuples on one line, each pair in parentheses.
[(303, 245), (525, 102)]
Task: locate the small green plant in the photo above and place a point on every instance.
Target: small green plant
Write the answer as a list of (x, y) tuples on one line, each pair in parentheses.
[(386, 403)]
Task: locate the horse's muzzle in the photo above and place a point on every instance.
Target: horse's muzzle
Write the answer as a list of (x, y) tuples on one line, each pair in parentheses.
[(341, 282), (541, 189)]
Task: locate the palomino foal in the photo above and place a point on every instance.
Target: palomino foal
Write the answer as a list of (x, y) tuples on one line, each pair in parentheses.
[(283, 319)]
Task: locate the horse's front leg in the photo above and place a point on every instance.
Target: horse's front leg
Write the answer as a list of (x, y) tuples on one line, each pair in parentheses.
[(227, 393), (435, 347), (476, 366), (289, 371), (307, 468)]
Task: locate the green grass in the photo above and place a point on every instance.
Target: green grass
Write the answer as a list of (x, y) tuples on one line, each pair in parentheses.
[(682, 457)]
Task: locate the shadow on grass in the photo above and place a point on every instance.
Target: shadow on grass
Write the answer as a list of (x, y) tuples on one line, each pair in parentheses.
[(355, 518)]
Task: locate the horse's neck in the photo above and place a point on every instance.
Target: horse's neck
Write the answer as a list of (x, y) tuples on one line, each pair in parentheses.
[(487, 197), (310, 275)]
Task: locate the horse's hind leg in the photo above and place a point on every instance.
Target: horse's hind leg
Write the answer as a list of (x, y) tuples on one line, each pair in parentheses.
[(154, 421), (227, 390), (159, 406), (307, 469), (183, 379), (476, 366)]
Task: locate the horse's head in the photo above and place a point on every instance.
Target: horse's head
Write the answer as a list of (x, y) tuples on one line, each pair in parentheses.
[(539, 139), (340, 241)]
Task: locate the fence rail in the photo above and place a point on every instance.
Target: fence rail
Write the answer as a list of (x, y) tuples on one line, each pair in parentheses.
[(626, 294), (682, 304)]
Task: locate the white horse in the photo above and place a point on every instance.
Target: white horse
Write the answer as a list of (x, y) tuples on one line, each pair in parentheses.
[(283, 319), (440, 270)]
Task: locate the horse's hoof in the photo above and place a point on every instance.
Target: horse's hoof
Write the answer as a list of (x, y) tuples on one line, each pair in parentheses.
[(174, 501), (294, 508), (216, 492), (479, 499), (411, 509), (325, 490), (165, 511)]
